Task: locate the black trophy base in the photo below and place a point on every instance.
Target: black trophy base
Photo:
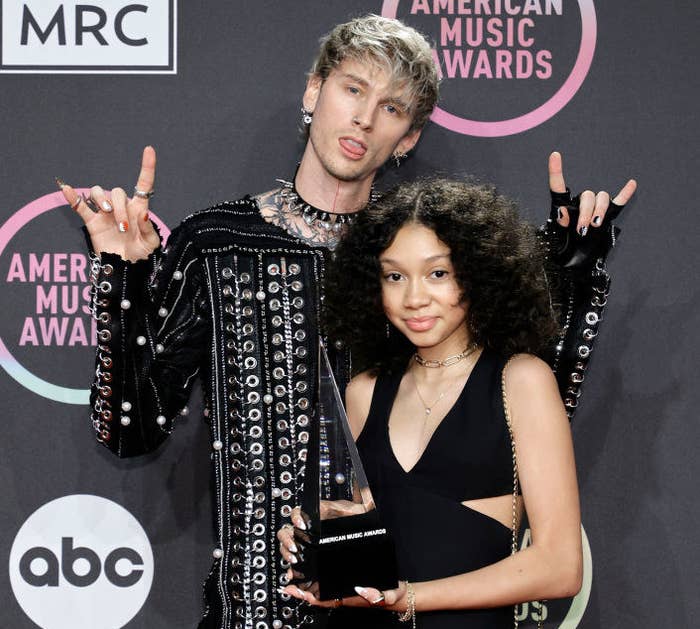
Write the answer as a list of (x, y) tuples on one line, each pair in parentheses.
[(347, 552)]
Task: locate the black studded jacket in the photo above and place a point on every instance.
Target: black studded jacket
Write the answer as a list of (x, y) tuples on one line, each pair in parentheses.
[(236, 301)]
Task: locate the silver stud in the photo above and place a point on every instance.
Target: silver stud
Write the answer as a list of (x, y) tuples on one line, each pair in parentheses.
[(340, 478), (217, 553), (339, 344), (184, 411), (294, 269), (245, 277), (126, 406), (159, 349), (217, 445), (260, 295), (247, 294), (125, 420), (275, 304), (276, 492), (267, 398), (125, 304), (177, 275), (140, 340), (592, 318), (277, 624), (160, 420), (227, 273), (162, 312)]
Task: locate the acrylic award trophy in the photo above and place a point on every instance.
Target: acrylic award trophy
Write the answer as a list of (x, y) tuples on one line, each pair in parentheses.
[(344, 544)]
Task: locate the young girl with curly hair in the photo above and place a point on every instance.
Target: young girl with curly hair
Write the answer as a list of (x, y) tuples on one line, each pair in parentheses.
[(439, 290)]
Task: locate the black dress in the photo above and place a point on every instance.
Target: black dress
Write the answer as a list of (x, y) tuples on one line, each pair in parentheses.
[(468, 457)]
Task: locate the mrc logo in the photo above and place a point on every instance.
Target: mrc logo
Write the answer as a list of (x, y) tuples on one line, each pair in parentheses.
[(92, 36)]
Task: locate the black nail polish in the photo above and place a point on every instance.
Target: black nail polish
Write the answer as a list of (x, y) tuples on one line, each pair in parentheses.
[(596, 220), (559, 213), (583, 231)]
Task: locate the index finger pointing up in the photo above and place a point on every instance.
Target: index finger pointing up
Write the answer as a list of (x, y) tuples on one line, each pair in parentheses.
[(147, 175), (556, 175)]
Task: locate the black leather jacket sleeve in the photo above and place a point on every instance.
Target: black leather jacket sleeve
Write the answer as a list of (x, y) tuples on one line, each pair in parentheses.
[(153, 330), (579, 284)]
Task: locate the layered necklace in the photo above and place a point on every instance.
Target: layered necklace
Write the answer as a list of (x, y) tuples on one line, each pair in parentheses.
[(436, 364), (316, 218)]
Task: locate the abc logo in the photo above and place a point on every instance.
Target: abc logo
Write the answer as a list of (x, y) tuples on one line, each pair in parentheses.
[(81, 562)]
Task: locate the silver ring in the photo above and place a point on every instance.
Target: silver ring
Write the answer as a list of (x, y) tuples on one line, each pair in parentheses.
[(141, 194), (376, 601)]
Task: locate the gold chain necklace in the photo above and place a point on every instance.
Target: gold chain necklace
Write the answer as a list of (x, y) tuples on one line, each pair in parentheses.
[(428, 408), (446, 362)]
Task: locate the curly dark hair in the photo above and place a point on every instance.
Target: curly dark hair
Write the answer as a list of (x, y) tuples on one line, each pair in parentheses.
[(498, 262)]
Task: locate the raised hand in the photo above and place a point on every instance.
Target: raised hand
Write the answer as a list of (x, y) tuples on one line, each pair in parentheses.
[(116, 222), (592, 207)]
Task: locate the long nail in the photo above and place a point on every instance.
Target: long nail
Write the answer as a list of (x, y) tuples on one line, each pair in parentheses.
[(583, 231), (559, 213), (360, 590), (293, 548), (281, 591), (123, 226), (596, 220), (60, 183), (293, 560), (106, 206), (301, 525)]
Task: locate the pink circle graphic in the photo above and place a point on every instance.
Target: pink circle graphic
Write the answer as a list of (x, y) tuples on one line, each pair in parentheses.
[(544, 112), (7, 361)]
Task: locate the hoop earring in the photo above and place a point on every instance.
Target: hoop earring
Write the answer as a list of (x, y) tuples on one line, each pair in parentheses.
[(306, 117)]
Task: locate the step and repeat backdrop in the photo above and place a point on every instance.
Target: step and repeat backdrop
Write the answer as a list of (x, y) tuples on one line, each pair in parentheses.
[(90, 541)]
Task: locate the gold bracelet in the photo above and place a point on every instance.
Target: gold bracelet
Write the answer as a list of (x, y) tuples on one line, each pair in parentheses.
[(410, 613)]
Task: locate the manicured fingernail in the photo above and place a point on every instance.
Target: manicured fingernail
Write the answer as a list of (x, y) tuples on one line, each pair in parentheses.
[(106, 206), (293, 548), (596, 220), (301, 525), (281, 591), (145, 217), (361, 591), (123, 226), (59, 182), (583, 231), (293, 560)]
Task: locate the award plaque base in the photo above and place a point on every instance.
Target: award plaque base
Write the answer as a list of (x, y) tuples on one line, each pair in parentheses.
[(353, 550)]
